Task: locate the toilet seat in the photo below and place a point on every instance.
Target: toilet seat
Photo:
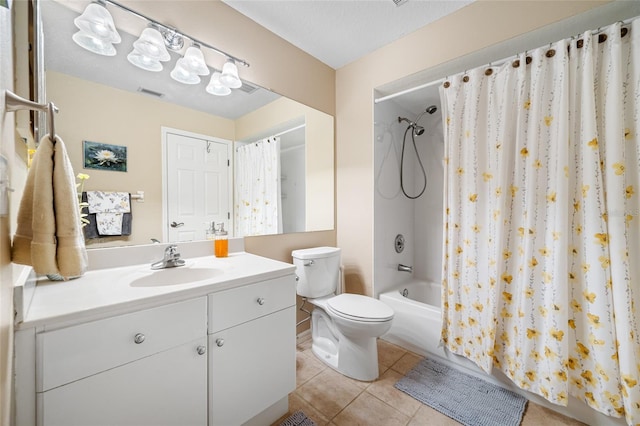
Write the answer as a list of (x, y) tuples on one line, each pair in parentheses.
[(357, 307)]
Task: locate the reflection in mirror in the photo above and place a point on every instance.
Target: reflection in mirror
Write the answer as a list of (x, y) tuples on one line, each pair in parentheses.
[(109, 101)]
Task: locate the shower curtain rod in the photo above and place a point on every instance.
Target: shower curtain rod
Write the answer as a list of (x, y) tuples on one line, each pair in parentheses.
[(284, 132), (491, 64)]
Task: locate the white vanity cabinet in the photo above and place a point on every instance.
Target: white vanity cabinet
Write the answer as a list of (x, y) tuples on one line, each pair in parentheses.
[(144, 368), (252, 362), (104, 350)]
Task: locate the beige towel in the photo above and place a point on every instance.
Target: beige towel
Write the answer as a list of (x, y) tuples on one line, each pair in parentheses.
[(49, 233)]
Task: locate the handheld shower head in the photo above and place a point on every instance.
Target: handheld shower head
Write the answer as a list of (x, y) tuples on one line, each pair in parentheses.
[(417, 130), (431, 109)]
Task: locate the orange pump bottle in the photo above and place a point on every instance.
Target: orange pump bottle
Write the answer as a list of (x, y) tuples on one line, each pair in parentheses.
[(221, 242)]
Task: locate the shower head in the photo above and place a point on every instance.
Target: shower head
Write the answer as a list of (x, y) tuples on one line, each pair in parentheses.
[(417, 130), (431, 109)]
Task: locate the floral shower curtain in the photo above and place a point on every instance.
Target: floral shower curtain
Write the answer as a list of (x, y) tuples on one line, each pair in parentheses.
[(257, 188), (541, 270)]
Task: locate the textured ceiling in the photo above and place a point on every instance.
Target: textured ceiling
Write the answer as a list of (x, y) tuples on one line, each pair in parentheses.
[(338, 32)]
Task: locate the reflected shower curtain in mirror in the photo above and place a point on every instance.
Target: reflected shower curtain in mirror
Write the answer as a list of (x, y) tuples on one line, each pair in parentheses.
[(257, 188), (541, 268)]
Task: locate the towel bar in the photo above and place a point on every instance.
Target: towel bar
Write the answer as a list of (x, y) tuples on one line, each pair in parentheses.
[(14, 102), (139, 195)]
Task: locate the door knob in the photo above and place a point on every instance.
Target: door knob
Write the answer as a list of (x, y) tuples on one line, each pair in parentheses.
[(175, 224), (201, 350), (219, 342)]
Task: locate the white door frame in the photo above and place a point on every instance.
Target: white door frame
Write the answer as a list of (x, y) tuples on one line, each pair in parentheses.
[(165, 209)]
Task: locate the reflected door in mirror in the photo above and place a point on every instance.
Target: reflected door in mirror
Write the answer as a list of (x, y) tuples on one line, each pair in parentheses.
[(198, 185)]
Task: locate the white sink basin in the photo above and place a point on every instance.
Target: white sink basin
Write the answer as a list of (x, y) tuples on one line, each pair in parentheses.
[(175, 276)]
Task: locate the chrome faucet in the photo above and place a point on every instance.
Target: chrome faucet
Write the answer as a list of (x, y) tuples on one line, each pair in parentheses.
[(171, 259), (405, 268)]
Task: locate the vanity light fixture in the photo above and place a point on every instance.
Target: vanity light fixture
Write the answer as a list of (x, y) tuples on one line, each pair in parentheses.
[(183, 74), (151, 45), (97, 30), (229, 76), (144, 62), (98, 34), (215, 87), (190, 67)]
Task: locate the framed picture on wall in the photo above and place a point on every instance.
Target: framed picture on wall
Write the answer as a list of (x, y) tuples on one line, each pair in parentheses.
[(104, 156)]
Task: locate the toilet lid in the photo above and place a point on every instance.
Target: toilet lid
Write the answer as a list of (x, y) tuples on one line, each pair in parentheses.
[(358, 307)]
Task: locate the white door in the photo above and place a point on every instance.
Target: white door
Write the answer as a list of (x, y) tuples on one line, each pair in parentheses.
[(197, 185)]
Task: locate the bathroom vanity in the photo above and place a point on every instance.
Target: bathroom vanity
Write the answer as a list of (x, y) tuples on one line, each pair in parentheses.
[(212, 342)]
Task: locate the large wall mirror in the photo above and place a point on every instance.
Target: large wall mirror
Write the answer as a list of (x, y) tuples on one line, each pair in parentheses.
[(107, 101)]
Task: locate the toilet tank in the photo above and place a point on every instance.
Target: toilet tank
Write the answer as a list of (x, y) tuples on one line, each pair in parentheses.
[(317, 271)]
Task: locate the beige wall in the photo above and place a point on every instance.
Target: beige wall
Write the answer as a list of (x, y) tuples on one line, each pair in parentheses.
[(472, 28), (319, 154)]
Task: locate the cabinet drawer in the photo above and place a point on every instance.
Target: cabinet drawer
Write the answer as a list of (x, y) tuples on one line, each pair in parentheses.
[(238, 305), (79, 351)]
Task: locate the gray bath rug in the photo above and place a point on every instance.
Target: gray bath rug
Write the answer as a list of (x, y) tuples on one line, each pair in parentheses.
[(298, 419), (465, 398)]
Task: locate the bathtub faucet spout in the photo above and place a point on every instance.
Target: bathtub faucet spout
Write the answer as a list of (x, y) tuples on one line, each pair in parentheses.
[(405, 268)]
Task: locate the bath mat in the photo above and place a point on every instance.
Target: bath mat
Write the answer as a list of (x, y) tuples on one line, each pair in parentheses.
[(298, 419), (465, 398)]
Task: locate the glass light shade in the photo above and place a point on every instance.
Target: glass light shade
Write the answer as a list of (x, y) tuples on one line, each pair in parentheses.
[(151, 45), (183, 74), (96, 21), (94, 44), (194, 60), (215, 87), (229, 76), (144, 62)]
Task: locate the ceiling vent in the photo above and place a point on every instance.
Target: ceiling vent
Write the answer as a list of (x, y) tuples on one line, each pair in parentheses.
[(248, 88), (150, 92), (399, 2)]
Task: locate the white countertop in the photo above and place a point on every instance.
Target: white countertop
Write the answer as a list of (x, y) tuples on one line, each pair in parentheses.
[(112, 291)]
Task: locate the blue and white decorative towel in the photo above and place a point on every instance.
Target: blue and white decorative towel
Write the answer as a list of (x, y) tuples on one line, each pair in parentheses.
[(108, 207)]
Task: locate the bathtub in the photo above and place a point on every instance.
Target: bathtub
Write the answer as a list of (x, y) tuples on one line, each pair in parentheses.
[(416, 326), (417, 319)]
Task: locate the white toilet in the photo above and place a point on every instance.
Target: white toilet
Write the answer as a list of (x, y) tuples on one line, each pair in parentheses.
[(344, 327)]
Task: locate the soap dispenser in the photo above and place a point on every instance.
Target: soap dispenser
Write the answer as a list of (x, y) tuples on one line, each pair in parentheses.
[(221, 242)]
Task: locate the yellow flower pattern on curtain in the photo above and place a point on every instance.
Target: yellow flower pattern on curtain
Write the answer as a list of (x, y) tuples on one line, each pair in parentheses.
[(541, 273), (257, 191)]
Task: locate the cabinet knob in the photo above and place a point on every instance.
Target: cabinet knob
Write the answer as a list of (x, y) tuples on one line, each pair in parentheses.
[(220, 342), (201, 350), (138, 338), (260, 300)]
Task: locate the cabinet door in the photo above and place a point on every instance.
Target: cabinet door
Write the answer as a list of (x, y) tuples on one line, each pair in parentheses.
[(168, 388), (251, 367)]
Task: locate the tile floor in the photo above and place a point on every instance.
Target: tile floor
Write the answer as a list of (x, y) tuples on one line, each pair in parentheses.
[(329, 398)]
